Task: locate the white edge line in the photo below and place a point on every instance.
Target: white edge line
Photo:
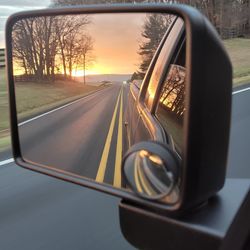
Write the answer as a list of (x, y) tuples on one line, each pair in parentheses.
[(6, 161), (56, 109), (240, 91)]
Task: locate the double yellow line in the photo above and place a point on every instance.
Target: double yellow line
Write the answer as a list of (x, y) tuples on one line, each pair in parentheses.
[(118, 160), (141, 182)]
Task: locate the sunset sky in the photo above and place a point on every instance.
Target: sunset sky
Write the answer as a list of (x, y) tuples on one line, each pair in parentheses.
[(116, 42), (116, 37)]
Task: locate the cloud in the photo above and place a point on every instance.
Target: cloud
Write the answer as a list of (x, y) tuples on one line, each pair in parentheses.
[(9, 7), (24, 3)]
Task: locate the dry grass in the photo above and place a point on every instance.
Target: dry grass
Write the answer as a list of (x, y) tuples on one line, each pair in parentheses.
[(239, 52), (33, 97)]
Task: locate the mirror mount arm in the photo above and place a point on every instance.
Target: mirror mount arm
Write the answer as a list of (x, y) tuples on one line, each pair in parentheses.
[(196, 229), (138, 226)]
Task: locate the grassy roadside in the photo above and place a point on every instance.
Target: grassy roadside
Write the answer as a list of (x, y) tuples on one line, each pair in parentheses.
[(4, 140), (239, 52), (36, 98), (4, 112)]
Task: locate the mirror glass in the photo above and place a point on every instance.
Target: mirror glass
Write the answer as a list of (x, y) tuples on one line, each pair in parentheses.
[(148, 175), (76, 80)]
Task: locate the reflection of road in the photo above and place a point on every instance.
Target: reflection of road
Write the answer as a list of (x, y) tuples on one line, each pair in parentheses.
[(84, 138)]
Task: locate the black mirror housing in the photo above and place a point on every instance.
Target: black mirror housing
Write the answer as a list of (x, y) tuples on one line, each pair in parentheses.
[(208, 106), (208, 121)]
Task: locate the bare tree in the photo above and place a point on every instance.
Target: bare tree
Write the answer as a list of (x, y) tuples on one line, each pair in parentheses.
[(84, 50), (173, 92), (42, 44), (68, 29)]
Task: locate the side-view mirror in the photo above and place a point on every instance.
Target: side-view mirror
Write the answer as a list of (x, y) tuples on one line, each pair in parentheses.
[(74, 117)]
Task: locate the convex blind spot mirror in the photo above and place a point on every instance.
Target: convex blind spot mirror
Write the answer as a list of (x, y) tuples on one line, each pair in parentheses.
[(152, 170), (87, 84)]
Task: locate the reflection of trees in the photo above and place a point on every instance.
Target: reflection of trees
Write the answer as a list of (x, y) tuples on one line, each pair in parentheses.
[(154, 28), (84, 47), (32, 38), (173, 93), (43, 46)]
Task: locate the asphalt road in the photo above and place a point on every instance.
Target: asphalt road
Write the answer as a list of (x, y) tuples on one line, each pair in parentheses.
[(87, 131), (39, 212), (239, 145)]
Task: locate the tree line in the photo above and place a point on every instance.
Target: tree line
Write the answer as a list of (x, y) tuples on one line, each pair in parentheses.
[(44, 47), (230, 17)]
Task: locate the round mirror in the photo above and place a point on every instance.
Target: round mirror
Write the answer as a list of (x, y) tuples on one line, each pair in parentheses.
[(150, 169)]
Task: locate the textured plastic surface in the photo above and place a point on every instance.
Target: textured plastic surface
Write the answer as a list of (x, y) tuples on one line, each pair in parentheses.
[(204, 228)]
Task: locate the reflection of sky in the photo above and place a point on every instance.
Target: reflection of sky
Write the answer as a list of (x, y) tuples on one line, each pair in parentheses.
[(116, 38), (8, 7)]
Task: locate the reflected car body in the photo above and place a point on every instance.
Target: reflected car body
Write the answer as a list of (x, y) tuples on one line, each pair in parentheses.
[(142, 123)]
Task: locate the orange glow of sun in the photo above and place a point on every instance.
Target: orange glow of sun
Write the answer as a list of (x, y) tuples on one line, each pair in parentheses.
[(97, 69), (78, 73)]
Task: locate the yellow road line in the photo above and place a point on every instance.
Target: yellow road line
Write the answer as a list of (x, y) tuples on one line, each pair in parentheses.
[(105, 153), (118, 156), (137, 182), (145, 183), (128, 136)]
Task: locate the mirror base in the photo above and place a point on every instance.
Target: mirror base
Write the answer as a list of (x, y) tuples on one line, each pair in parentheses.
[(207, 226)]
